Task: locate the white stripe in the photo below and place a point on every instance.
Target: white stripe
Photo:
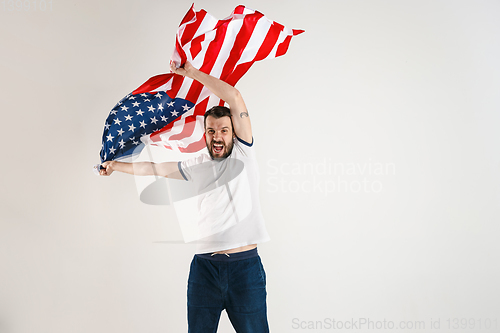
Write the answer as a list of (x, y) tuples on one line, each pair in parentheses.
[(233, 28), (166, 86), (259, 34), (209, 22), (282, 36), (184, 89), (247, 11), (200, 58)]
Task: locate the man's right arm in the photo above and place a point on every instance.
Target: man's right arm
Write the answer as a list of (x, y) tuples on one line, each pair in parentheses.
[(165, 169)]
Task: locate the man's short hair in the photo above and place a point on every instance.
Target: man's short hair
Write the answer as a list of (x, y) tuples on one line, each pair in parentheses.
[(217, 112)]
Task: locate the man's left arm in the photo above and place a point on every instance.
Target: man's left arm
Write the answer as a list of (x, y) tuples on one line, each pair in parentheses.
[(226, 92)]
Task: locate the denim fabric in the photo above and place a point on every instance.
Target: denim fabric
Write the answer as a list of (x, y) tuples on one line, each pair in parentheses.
[(238, 286)]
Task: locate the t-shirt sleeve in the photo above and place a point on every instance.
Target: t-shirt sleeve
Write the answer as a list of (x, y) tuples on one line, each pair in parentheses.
[(245, 143), (246, 148)]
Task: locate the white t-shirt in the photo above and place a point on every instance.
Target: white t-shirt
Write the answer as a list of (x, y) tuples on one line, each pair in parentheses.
[(226, 197)]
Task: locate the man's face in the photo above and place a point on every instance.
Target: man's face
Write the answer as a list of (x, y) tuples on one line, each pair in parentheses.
[(219, 136)]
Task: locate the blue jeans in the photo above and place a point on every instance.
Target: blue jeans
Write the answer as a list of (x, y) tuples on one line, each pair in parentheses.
[(237, 285)]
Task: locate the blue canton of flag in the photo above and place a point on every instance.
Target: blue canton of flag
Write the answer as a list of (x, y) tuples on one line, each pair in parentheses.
[(136, 116)]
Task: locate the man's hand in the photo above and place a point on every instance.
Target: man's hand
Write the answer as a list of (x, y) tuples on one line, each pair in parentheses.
[(186, 70), (108, 165)]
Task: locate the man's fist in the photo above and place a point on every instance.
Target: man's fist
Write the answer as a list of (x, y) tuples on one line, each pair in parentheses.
[(108, 168), (185, 70)]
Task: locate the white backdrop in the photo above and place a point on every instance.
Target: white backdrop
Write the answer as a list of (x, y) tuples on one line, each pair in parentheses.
[(378, 142)]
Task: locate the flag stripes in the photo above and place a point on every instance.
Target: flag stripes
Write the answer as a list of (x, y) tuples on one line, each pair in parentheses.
[(225, 49)]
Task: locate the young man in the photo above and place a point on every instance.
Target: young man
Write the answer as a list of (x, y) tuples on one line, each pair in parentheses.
[(226, 273)]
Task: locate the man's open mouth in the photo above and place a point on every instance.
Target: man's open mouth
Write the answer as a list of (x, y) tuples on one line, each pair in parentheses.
[(217, 147)]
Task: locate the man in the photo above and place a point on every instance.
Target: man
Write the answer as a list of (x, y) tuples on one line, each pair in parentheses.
[(226, 273)]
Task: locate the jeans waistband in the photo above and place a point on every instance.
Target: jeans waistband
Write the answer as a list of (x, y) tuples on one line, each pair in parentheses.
[(229, 256)]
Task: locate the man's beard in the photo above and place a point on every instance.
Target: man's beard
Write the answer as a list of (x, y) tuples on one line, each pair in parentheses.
[(228, 149)]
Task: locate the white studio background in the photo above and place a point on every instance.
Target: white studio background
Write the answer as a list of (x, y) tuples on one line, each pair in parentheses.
[(377, 136)]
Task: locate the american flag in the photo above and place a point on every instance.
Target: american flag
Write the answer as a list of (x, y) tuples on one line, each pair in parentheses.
[(172, 105)]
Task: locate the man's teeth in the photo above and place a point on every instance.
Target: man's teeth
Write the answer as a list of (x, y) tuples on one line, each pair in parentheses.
[(218, 147)]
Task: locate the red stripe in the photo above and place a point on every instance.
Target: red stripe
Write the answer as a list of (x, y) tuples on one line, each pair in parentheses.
[(283, 47), (155, 136), (269, 42), (196, 46), (238, 72), (195, 146), (152, 83), (200, 108), (187, 129), (210, 57), (264, 50), (176, 85), (239, 10), (194, 91), (215, 46), (189, 15), (190, 29), (240, 43)]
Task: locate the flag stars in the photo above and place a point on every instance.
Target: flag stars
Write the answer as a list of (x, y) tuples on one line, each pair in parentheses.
[(147, 100), (131, 97), (135, 142), (171, 104), (186, 107), (117, 121), (112, 150), (120, 131), (136, 104), (174, 113), (151, 108), (163, 118), (139, 112), (154, 120), (106, 125), (144, 95), (113, 111), (159, 95), (160, 107), (143, 124), (128, 117), (110, 137), (124, 108), (131, 128), (122, 143)]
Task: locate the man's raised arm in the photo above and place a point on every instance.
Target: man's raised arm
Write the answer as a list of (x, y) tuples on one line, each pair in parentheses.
[(226, 92)]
